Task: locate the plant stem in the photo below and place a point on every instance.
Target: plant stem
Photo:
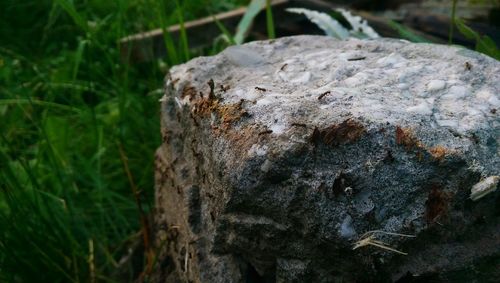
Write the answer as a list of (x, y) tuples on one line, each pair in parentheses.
[(452, 22), (269, 20)]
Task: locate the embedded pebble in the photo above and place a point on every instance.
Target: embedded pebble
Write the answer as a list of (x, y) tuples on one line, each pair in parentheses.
[(346, 228), (435, 85)]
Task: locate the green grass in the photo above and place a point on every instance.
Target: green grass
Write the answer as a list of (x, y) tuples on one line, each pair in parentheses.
[(68, 104)]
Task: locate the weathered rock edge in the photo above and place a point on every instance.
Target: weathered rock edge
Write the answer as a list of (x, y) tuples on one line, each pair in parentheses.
[(279, 155)]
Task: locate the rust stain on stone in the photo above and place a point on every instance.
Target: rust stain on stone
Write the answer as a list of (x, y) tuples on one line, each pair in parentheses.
[(226, 114), (406, 137), (348, 131), (242, 139), (230, 113), (436, 203), (205, 106), (439, 152)]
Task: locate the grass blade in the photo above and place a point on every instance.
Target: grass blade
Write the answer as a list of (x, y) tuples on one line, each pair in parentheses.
[(184, 38), (224, 30), (167, 38), (78, 58), (406, 33), (452, 23), (484, 44), (47, 104), (246, 22), (70, 9), (269, 20)]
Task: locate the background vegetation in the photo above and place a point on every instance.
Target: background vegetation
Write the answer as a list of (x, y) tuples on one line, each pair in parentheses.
[(78, 130)]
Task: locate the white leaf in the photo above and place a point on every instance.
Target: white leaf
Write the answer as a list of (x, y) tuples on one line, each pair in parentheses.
[(359, 25), (330, 26)]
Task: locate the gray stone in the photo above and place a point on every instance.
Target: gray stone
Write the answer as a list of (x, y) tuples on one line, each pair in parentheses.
[(279, 156)]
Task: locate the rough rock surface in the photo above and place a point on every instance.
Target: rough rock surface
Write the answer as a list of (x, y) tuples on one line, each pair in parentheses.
[(278, 156)]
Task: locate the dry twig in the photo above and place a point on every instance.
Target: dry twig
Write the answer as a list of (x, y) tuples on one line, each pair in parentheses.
[(368, 239)]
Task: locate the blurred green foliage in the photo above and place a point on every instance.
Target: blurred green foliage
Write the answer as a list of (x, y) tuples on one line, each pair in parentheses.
[(484, 43), (67, 105)]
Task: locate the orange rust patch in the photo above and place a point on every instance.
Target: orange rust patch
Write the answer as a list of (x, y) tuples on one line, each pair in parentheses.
[(439, 152), (205, 106), (242, 139), (346, 132), (227, 114), (407, 138), (436, 204), (230, 113)]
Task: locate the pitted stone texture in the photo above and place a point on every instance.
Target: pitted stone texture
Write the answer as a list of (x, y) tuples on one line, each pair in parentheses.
[(278, 156)]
